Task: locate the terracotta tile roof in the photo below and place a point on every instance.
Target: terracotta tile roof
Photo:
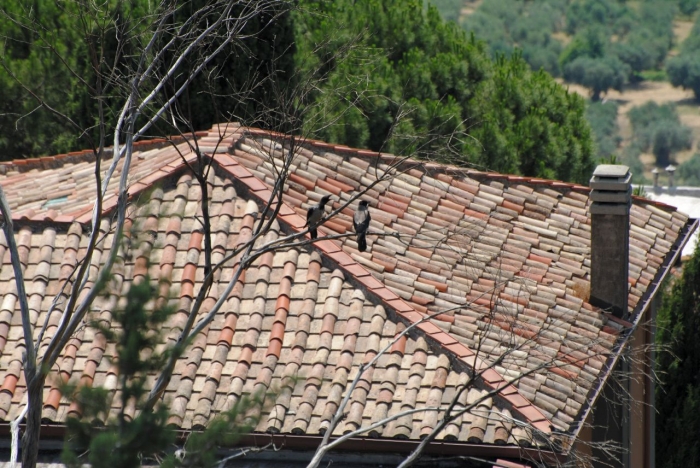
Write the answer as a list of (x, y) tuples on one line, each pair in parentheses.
[(292, 326), (501, 263), (506, 259)]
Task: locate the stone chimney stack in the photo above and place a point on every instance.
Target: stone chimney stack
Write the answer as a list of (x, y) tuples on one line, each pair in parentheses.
[(611, 195)]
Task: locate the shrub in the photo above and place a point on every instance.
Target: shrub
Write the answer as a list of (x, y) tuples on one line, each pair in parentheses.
[(657, 127), (688, 173), (667, 138), (590, 43), (584, 13), (602, 118), (688, 7), (597, 74), (684, 71)]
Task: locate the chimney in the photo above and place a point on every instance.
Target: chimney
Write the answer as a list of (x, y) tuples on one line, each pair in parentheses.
[(610, 223), (671, 169)]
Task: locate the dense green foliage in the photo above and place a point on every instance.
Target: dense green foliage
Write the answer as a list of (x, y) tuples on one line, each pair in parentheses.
[(688, 7), (684, 69), (688, 173), (678, 397), (612, 41), (658, 128), (391, 77), (459, 106), (507, 24), (603, 120), (68, 56), (25, 127)]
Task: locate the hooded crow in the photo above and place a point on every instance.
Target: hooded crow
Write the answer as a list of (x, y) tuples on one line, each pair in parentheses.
[(314, 215), (361, 220)]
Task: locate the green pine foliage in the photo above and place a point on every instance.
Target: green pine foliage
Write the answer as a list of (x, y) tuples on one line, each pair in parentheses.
[(58, 50), (678, 397), (414, 84), (31, 61), (389, 76), (202, 448), (53, 51)]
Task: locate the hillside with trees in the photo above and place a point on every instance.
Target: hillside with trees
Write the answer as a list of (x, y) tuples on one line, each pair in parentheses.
[(396, 79), (600, 44), (609, 51)]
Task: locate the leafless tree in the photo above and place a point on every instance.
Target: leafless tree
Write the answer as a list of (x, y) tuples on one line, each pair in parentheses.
[(166, 49)]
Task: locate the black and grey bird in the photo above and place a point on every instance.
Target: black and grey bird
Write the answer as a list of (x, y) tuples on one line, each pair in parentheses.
[(314, 215), (361, 220)]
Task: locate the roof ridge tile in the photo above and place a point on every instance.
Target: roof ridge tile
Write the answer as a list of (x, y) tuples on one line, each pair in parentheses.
[(330, 248)]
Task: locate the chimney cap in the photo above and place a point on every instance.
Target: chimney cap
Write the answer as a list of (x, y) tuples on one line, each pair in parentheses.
[(611, 177), (611, 170), (670, 168)]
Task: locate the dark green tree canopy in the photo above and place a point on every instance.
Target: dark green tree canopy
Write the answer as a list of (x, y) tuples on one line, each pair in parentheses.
[(390, 76), (658, 128), (464, 107)]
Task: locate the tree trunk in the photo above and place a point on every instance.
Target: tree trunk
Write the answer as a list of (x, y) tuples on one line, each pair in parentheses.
[(30, 438)]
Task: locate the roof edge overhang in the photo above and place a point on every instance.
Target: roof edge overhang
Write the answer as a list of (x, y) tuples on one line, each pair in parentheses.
[(53, 436)]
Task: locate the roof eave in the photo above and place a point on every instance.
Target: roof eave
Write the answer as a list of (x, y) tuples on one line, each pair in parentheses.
[(53, 436)]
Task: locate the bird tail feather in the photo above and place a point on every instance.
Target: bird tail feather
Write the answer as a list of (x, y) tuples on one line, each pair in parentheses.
[(361, 243), (313, 233)]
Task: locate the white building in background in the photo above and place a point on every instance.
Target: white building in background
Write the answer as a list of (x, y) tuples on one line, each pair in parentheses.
[(686, 199)]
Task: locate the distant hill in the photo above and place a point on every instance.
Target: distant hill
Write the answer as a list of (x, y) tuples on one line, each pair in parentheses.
[(613, 51)]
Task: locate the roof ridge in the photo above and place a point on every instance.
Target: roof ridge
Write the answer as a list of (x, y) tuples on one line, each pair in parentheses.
[(84, 215), (52, 162), (86, 155), (449, 168), (331, 251)]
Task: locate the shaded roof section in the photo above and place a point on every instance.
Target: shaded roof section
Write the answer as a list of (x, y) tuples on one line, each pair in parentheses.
[(292, 327), (500, 263)]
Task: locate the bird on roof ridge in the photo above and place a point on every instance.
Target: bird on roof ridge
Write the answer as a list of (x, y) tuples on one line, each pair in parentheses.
[(315, 214), (361, 220)]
